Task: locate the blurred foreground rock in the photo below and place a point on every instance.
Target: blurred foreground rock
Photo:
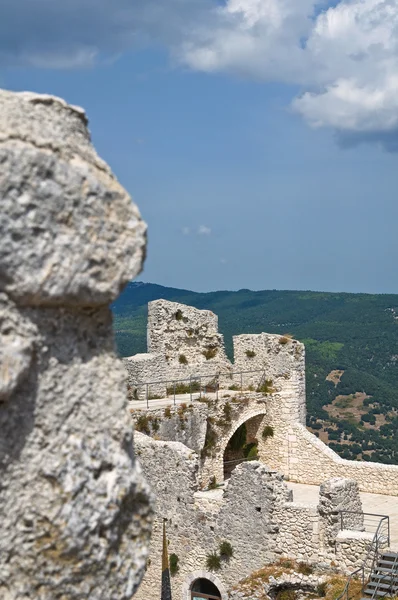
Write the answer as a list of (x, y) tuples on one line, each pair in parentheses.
[(75, 509)]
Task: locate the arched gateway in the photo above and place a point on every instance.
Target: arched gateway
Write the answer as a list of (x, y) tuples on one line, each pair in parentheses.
[(203, 588), (202, 585)]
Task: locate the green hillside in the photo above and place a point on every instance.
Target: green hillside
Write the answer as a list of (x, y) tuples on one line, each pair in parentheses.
[(350, 338)]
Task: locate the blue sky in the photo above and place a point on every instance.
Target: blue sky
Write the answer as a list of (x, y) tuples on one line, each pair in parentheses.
[(253, 169)]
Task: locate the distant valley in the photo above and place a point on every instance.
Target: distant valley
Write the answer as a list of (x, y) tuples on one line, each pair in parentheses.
[(352, 353)]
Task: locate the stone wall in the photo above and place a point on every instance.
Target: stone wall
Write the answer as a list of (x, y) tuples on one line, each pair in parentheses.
[(180, 423), (187, 337), (281, 358), (254, 513), (75, 508), (143, 369), (311, 461)]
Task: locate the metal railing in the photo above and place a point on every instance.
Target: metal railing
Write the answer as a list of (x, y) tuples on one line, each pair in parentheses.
[(381, 539), (197, 386), (369, 522)]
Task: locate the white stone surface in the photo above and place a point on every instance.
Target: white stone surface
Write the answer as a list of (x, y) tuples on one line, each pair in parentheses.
[(75, 508)]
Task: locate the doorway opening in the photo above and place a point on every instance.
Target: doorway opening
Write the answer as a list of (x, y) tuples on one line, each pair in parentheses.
[(203, 588), (242, 446)]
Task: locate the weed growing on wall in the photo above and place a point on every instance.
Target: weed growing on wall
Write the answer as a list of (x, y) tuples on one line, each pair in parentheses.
[(266, 387), (173, 561), (182, 359), (213, 562), (268, 431), (250, 353), (142, 424), (226, 550), (210, 352), (213, 483)]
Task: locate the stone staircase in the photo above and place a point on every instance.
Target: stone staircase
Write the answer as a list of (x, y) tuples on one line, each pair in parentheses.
[(383, 581)]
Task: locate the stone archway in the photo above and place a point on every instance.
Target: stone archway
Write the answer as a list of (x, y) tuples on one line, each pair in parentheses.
[(212, 466), (206, 576), (244, 444)]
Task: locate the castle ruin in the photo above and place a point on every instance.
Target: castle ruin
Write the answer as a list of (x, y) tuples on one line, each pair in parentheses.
[(186, 419)]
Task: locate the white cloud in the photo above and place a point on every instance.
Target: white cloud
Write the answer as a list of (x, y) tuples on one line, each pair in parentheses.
[(344, 57), (204, 230)]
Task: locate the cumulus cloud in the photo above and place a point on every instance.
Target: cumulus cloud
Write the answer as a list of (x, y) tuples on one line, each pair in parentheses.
[(343, 55)]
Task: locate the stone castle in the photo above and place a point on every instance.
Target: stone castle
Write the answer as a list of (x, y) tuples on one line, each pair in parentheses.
[(187, 401), (77, 511)]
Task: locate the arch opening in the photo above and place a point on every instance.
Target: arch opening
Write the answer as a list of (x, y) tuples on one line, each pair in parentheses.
[(204, 589), (243, 445)]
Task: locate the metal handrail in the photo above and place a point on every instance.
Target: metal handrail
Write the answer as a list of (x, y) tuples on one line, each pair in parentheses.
[(198, 378), (372, 554)]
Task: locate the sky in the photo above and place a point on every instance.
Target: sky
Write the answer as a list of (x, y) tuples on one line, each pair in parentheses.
[(259, 138)]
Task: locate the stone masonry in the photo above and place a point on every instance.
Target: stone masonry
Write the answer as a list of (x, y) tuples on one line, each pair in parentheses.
[(254, 513), (76, 510), (253, 510), (187, 337)]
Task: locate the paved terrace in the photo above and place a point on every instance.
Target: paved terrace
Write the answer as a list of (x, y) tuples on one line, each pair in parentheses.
[(372, 503)]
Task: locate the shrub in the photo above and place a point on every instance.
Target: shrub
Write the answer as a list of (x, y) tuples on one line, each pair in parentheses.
[(266, 387), (250, 353), (178, 315), (226, 550), (167, 412), (250, 451), (213, 483), (142, 424), (268, 431), (182, 359), (305, 569), (155, 424), (321, 589), (182, 388), (285, 339), (213, 562), (227, 411), (173, 560), (210, 352), (210, 439), (234, 387)]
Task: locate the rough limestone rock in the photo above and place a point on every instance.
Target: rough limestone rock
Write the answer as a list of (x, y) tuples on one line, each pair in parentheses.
[(76, 511)]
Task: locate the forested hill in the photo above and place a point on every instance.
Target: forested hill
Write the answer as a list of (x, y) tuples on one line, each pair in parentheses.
[(352, 353)]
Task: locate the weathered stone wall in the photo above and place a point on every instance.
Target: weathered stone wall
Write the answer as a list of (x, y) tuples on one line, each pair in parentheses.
[(143, 369), (184, 333), (308, 460), (282, 360), (336, 495), (351, 549), (254, 513), (298, 535), (180, 423), (75, 508)]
